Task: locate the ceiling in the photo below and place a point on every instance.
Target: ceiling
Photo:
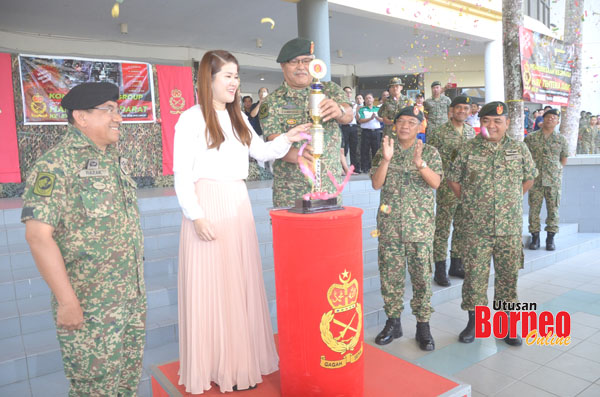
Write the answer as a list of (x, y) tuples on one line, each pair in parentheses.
[(230, 24)]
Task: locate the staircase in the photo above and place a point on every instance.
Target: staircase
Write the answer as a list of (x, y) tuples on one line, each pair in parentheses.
[(30, 361)]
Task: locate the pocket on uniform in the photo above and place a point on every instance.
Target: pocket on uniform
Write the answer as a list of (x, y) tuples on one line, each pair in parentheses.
[(97, 203)]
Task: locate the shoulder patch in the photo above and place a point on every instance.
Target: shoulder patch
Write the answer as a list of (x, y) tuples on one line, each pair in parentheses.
[(263, 111), (44, 184)]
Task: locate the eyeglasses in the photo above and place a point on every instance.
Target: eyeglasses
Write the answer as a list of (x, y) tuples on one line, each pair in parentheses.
[(113, 111), (296, 62), (403, 123)]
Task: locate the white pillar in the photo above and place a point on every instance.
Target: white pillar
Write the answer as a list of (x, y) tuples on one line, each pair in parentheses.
[(494, 72), (313, 24)]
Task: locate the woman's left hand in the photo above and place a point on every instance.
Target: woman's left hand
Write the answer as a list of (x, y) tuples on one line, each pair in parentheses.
[(294, 134)]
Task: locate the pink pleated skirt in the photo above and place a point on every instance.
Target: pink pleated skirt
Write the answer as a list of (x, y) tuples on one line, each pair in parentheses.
[(225, 333)]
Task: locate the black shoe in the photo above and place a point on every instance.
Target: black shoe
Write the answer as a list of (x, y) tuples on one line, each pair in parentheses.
[(513, 341), (235, 388), (440, 276), (391, 331), (456, 268), (424, 337), (535, 241), (468, 334), (550, 241)]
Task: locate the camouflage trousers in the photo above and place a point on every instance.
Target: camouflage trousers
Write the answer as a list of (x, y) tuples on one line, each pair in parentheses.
[(507, 252), (536, 196), (587, 148), (447, 211), (394, 256), (104, 358)]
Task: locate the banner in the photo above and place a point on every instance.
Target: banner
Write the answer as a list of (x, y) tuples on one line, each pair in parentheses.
[(546, 68), (46, 80), (176, 94), (9, 150)]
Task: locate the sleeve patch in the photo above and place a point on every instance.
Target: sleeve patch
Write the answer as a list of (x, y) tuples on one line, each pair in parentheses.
[(263, 111), (44, 184)]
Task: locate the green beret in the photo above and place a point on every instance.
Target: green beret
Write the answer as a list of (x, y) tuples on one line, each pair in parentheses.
[(89, 95), (461, 100), (295, 47), (435, 83), (496, 108), (395, 81), (552, 111), (410, 111)]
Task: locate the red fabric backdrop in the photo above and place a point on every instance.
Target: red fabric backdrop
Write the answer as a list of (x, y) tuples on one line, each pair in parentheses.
[(176, 92), (9, 150)]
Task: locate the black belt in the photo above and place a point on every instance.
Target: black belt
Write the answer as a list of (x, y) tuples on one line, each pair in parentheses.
[(371, 129)]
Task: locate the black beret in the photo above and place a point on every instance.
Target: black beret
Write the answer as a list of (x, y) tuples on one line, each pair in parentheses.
[(295, 47), (461, 100), (420, 94), (495, 108), (410, 111), (89, 95), (552, 111), (436, 83), (395, 81)]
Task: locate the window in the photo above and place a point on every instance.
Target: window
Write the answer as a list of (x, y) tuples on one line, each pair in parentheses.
[(538, 9)]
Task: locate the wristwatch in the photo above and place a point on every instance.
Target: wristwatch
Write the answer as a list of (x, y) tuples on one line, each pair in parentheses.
[(423, 165)]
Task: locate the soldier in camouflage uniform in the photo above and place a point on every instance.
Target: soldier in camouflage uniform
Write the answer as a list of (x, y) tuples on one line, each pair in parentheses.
[(82, 224), (490, 176), (448, 139), (287, 107), (596, 135), (436, 107), (587, 135), (549, 150), (408, 170), (392, 106)]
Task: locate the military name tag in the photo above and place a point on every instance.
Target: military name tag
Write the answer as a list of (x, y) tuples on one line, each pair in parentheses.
[(476, 158), (89, 173), (512, 157), (290, 112)]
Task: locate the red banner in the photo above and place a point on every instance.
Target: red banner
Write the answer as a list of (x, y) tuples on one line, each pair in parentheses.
[(46, 80), (546, 68), (176, 93), (9, 150)]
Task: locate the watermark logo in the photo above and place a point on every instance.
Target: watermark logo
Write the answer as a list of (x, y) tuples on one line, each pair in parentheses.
[(543, 329)]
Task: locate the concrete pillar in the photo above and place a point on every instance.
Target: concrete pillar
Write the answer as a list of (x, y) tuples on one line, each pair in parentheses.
[(313, 24), (494, 72)]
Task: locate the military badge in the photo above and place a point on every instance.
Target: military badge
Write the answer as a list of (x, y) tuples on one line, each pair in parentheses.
[(38, 106), (499, 110), (44, 184), (124, 164), (177, 101), (291, 122), (312, 47), (263, 111), (468, 100), (345, 321), (416, 111)]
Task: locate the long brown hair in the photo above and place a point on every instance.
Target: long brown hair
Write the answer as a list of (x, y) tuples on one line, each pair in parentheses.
[(211, 64)]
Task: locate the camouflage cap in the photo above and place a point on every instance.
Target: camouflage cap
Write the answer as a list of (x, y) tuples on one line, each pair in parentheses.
[(412, 111), (395, 81), (89, 95), (461, 100), (495, 108), (552, 111), (295, 47), (435, 83)]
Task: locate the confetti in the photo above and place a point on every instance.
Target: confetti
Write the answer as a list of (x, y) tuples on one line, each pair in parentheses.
[(268, 20), (115, 11), (388, 11), (375, 233)]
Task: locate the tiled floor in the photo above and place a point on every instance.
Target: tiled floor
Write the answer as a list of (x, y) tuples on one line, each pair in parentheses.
[(493, 368)]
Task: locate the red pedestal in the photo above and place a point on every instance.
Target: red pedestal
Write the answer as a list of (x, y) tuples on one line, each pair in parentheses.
[(319, 276)]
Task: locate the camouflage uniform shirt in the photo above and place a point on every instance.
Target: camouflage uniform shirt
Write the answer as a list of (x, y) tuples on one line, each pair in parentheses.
[(491, 177), (448, 141), (547, 152), (436, 111), (390, 109), (90, 200), (409, 197), (282, 110)]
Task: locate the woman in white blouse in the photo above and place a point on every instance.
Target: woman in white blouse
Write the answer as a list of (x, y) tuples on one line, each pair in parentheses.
[(225, 333)]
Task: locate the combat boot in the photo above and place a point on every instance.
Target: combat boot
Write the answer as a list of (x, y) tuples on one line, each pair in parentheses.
[(456, 268), (535, 241), (468, 334), (391, 331), (516, 341), (424, 337), (550, 241), (440, 276)]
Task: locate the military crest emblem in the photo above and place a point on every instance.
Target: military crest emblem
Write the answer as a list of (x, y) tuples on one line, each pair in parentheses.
[(341, 326), (38, 106), (177, 101), (499, 109)]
